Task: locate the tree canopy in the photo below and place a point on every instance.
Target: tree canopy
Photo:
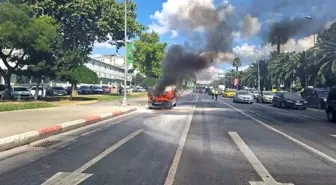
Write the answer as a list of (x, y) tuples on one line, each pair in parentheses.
[(148, 54)]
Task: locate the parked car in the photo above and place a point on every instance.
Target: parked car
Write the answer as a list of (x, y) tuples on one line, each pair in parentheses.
[(96, 89), (265, 97), (331, 105), (289, 100), (21, 93), (229, 93), (2, 91), (315, 97), (243, 97), (56, 91), (84, 89), (255, 94), (106, 89), (41, 91)]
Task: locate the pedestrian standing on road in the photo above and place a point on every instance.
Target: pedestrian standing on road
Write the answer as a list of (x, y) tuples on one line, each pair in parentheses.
[(216, 93), (213, 93)]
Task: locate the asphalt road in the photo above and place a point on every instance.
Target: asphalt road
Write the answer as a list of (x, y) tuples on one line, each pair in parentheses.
[(201, 142)]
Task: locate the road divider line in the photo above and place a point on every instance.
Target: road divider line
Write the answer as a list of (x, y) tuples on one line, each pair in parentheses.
[(257, 165), (90, 132), (333, 135), (307, 147), (178, 153), (76, 177)]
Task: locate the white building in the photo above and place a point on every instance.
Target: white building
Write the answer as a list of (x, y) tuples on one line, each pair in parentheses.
[(107, 73), (114, 60)]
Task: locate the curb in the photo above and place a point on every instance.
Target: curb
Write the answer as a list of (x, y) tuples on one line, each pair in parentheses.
[(28, 137)]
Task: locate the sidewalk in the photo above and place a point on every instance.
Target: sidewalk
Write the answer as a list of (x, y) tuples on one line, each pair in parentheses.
[(17, 122)]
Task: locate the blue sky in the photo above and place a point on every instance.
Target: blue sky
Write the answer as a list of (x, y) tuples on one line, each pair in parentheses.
[(265, 12)]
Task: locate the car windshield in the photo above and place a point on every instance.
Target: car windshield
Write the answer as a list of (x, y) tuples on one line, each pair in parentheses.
[(243, 93), (291, 95), (58, 88), (268, 93), (322, 94), (20, 89)]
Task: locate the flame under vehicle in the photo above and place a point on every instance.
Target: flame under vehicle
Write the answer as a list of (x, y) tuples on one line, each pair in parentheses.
[(166, 99)]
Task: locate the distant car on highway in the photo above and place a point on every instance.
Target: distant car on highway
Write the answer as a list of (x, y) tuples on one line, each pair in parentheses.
[(265, 97), (315, 97), (289, 100), (243, 97), (21, 93), (229, 93)]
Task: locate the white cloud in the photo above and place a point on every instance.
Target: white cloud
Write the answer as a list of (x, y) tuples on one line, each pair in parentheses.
[(188, 15), (246, 52), (174, 34), (106, 44), (95, 55)]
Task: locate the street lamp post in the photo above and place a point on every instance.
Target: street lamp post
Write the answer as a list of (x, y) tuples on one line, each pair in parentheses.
[(256, 52), (124, 103), (313, 20)]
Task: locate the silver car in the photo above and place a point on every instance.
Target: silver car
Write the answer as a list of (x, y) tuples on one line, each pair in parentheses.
[(243, 97), (21, 93), (265, 97)]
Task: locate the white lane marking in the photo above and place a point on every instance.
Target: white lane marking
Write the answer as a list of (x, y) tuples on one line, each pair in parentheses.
[(174, 165), (290, 113), (78, 176), (260, 169), (307, 147), (90, 132), (333, 135)]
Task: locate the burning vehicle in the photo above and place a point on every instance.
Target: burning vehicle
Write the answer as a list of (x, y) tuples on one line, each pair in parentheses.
[(165, 99)]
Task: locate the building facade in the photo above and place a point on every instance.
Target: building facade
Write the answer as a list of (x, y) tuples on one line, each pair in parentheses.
[(106, 72), (114, 60)]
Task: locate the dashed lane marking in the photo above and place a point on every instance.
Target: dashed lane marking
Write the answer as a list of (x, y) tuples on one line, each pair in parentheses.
[(174, 165), (252, 158), (76, 177), (307, 147)]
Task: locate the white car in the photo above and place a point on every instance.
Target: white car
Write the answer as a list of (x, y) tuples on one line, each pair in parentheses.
[(41, 93), (243, 97), (265, 97)]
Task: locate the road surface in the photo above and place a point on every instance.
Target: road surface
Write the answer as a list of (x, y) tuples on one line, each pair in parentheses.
[(199, 142)]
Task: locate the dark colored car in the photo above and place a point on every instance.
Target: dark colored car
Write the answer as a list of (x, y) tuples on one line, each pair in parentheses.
[(289, 100), (331, 105), (106, 89), (84, 89), (56, 91), (315, 97), (96, 89)]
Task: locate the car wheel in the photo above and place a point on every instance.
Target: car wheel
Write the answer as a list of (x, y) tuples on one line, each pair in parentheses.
[(251, 102), (283, 105), (331, 116)]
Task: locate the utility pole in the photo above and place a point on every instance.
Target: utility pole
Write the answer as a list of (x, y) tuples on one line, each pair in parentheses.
[(124, 103)]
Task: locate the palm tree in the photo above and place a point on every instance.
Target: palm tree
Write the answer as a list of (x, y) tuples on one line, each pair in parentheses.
[(278, 38), (251, 75), (326, 55), (236, 63)]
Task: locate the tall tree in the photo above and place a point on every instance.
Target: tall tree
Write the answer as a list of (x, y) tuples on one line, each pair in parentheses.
[(326, 55), (82, 23), (20, 34), (236, 63), (148, 54)]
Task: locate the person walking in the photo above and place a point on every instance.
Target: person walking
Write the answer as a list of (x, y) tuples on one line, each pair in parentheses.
[(213, 93)]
